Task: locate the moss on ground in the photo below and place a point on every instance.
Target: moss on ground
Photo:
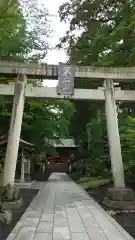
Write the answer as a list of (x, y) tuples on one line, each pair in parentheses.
[(91, 182), (84, 180), (98, 183)]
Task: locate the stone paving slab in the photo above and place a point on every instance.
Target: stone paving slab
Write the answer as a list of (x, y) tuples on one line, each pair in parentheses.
[(62, 210), (43, 236)]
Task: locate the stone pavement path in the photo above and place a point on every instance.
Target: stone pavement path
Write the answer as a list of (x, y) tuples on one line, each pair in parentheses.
[(63, 211)]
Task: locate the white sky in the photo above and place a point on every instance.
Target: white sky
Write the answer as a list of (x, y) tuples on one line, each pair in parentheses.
[(55, 56), (59, 29)]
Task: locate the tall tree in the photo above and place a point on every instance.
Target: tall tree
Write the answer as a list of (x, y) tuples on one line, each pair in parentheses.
[(24, 29), (13, 38), (106, 31), (38, 28)]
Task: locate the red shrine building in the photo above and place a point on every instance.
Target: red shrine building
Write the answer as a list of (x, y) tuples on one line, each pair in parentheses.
[(61, 161)]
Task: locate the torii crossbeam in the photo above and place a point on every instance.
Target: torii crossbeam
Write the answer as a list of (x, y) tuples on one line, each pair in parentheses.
[(34, 70), (79, 94)]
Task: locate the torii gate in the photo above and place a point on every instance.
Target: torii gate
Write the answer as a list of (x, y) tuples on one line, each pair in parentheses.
[(108, 93)]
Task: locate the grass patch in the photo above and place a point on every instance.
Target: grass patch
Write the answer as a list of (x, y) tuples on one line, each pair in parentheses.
[(98, 183), (84, 180), (87, 179)]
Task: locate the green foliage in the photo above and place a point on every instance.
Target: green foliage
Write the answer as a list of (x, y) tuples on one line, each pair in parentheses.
[(75, 175), (127, 133), (45, 120), (42, 120), (93, 156), (37, 28), (106, 32), (13, 40), (24, 29)]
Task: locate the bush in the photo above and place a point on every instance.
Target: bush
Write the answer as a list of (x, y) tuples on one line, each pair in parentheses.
[(75, 176)]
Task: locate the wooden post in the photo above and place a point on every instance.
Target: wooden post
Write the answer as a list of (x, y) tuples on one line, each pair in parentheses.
[(15, 130), (29, 163), (22, 168)]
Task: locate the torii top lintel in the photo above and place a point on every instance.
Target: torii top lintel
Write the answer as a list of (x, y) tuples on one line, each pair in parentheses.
[(34, 70)]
